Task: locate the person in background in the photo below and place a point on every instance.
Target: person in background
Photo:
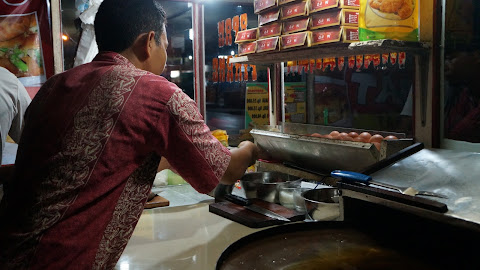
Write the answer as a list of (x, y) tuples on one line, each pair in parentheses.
[(462, 102), (92, 143), (14, 100)]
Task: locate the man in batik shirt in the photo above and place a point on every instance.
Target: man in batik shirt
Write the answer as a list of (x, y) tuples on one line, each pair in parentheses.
[(93, 139)]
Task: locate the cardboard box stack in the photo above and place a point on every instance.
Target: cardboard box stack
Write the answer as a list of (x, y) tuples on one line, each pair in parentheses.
[(295, 20), (269, 25), (334, 21), (293, 24), (246, 41)]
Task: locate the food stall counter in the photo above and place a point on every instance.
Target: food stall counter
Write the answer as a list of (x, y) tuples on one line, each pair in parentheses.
[(180, 237)]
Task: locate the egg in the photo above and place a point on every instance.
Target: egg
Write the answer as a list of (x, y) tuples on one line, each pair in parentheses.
[(353, 134), (365, 136), (334, 133), (377, 145), (376, 138), (358, 139), (390, 137), (328, 136), (318, 135), (345, 137)]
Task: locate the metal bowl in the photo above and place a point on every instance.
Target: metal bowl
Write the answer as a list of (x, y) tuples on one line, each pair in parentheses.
[(263, 185), (322, 204)]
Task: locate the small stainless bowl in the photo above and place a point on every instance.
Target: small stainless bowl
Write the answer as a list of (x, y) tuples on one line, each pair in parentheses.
[(322, 204), (263, 185)]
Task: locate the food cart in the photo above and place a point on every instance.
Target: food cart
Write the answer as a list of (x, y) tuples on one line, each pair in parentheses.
[(190, 237)]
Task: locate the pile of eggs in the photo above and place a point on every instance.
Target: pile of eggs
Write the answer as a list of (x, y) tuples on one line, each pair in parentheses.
[(365, 137)]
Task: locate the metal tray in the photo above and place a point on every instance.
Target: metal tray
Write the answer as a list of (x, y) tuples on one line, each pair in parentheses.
[(319, 154)]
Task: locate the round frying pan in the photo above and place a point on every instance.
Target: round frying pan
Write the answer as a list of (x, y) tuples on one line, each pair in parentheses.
[(325, 245)]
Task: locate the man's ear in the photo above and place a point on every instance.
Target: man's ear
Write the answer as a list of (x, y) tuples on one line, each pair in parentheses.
[(150, 42), (143, 45)]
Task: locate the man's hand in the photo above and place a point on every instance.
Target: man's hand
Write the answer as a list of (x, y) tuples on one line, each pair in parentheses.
[(245, 155)]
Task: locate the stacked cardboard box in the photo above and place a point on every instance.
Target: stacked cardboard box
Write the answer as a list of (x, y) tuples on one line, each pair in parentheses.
[(269, 25), (295, 20), (246, 41), (293, 24), (334, 21)]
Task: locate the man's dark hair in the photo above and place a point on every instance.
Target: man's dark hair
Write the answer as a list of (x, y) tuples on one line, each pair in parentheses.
[(119, 22)]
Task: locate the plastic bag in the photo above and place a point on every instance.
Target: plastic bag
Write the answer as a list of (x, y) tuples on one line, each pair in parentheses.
[(389, 19)]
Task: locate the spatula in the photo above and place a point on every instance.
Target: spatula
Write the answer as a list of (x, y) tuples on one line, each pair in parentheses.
[(367, 180)]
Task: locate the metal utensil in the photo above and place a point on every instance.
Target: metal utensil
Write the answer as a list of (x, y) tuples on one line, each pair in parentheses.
[(362, 178), (246, 203)]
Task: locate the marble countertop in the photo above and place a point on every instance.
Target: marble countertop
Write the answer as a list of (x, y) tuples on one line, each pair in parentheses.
[(186, 237)]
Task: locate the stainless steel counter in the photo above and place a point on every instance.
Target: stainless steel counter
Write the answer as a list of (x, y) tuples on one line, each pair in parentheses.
[(453, 173)]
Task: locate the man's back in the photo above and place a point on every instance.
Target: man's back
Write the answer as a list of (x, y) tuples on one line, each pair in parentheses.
[(91, 145)]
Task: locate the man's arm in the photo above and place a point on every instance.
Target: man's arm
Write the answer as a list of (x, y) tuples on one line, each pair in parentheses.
[(241, 158)]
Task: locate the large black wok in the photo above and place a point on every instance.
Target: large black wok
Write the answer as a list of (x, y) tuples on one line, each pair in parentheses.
[(384, 240)]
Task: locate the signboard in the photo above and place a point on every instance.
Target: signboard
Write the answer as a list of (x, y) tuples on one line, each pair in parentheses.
[(295, 102), (256, 104)]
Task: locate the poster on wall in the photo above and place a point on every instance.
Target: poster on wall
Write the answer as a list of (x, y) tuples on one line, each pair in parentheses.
[(295, 102), (25, 40), (256, 105)]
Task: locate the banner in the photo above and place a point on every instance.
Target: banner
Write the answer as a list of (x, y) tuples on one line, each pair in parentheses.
[(295, 102), (256, 104), (26, 47)]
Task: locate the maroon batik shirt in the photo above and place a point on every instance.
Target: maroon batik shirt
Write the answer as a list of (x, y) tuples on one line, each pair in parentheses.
[(86, 162)]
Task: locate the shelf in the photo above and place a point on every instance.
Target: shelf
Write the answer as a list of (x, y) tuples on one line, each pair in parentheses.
[(336, 50)]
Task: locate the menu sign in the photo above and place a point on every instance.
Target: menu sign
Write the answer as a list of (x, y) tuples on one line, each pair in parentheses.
[(326, 36), (268, 17), (260, 5), (246, 36), (350, 34), (350, 17), (256, 104), (295, 10), (270, 30), (355, 4), (318, 5), (321, 20), (268, 44), (247, 48), (295, 26), (295, 102), (296, 40)]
